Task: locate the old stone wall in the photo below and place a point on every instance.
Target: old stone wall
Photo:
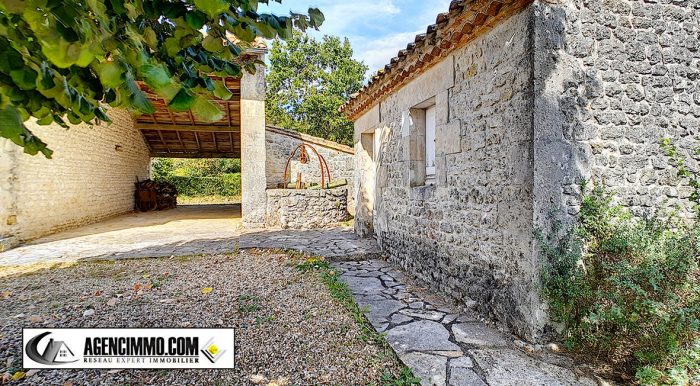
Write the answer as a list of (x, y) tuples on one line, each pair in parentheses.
[(612, 78), (561, 93), (279, 145), (90, 177), (253, 177), (305, 208), (470, 234)]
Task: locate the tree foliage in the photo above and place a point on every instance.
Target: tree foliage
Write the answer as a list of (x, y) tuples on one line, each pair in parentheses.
[(63, 60), (308, 81)]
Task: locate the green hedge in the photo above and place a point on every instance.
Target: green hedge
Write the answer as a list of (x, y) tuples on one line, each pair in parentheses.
[(224, 185)]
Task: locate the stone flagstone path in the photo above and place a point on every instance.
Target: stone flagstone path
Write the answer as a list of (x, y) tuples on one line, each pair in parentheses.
[(443, 346)]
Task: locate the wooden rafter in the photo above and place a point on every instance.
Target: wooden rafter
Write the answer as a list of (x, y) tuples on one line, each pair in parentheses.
[(199, 145), (171, 133), (160, 134), (200, 128), (179, 138)]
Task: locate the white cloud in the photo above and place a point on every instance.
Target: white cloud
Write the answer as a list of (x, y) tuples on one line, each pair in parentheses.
[(342, 16), (376, 53), (377, 29)]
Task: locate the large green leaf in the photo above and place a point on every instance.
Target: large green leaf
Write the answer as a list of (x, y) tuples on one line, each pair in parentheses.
[(110, 74), (149, 35), (221, 91), (316, 17), (213, 8), (183, 100), (10, 124), (155, 75), (62, 59), (195, 19), (212, 44), (205, 110), (25, 78)]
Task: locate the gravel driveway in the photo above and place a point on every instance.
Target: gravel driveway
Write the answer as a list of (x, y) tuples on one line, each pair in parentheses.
[(288, 328)]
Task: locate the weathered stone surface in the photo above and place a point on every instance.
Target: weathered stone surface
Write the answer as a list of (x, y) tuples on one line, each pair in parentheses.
[(423, 335), (574, 90), (467, 234), (463, 361), (421, 340), (449, 318), (423, 314), (306, 208), (253, 178), (449, 354), (509, 367), (398, 319), (478, 334), (429, 368), (363, 285), (461, 376), (380, 310)]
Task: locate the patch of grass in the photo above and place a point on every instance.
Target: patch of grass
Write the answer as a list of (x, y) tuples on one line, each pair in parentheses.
[(405, 378), (248, 304), (260, 320), (340, 291)]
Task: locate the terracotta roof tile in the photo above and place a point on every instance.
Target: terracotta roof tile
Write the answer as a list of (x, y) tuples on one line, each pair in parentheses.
[(465, 20)]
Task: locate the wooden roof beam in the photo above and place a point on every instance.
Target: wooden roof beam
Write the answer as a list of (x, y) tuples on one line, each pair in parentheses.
[(201, 128)]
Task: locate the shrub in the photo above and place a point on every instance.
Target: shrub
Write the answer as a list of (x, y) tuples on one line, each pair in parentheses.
[(162, 167), (223, 185), (626, 287), (200, 167)]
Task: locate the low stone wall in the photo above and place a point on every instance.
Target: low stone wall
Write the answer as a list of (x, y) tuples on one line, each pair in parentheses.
[(306, 209), (279, 143)]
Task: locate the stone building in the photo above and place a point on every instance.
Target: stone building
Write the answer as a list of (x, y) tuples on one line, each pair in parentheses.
[(93, 170), (481, 130)]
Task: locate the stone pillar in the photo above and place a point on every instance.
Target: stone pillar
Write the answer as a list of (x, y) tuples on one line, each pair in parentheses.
[(253, 154), (8, 194)]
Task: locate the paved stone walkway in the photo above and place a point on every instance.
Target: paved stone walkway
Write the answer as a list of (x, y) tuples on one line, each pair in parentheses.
[(186, 230), (339, 243), (442, 345)]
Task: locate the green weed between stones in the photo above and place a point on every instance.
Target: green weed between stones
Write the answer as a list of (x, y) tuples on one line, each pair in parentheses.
[(340, 292)]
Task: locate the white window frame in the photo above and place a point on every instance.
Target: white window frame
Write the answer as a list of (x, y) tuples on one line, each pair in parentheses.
[(430, 123)]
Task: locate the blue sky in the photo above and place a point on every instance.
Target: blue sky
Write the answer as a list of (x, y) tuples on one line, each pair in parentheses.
[(377, 29)]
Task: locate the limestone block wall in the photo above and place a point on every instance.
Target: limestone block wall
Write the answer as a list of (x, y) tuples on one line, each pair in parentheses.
[(469, 235), (90, 177), (611, 79), (306, 209), (279, 145)]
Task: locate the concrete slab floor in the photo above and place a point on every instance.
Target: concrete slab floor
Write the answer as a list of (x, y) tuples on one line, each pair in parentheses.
[(185, 230)]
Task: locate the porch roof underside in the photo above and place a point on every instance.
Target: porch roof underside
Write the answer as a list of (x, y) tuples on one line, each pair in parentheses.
[(179, 134)]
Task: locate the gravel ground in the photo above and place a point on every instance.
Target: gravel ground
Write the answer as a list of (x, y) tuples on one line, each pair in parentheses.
[(288, 328)]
